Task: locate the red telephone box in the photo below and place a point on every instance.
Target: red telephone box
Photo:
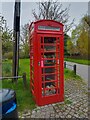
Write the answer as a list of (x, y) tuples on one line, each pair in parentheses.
[(46, 61)]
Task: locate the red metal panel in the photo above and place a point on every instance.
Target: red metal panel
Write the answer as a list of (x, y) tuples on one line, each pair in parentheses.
[(36, 72), (62, 66)]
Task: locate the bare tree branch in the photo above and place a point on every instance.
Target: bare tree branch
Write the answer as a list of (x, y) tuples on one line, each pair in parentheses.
[(53, 10)]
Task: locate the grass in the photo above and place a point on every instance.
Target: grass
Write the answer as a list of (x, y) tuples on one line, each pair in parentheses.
[(67, 101), (80, 61), (7, 68), (69, 74), (24, 97)]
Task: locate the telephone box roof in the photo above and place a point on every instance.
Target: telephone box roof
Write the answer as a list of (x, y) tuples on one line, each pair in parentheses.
[(44, 20), (48, 20)]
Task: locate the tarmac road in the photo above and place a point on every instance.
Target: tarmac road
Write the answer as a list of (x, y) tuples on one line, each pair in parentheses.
[(81, 70)]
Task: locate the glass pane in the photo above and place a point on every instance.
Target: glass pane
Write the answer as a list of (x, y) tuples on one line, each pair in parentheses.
[(49, 55), (49, 62), (49, 48), (50, 77), (48, 70), (43, 92), (50, 90), (49, 40), (50, 84)]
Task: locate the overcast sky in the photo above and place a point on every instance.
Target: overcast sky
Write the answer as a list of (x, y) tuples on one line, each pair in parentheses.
[(77, 11)]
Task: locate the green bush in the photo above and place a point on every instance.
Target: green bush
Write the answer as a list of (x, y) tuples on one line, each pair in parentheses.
[(8, 55), (7, 69), (23, 55)]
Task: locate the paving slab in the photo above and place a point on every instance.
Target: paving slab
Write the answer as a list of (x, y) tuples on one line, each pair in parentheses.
[(75, 104)]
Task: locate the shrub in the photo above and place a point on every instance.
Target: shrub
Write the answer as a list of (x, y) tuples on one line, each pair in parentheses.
[(8, 55), (7, 69), (23, 55)]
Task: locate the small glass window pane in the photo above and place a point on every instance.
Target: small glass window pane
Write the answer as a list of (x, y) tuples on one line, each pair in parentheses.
[(49, 28), (49, 48), (48, 70), (49, 39)]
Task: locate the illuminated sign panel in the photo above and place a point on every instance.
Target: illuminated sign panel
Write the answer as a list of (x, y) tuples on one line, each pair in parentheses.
[(49, 28)]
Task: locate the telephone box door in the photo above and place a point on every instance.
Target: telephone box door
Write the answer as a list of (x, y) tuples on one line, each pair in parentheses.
[(50, 68)]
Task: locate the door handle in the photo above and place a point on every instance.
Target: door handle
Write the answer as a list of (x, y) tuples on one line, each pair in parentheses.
[(38, 63)]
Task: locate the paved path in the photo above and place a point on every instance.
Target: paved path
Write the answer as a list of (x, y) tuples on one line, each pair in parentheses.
[(75, 104), (81, 70)]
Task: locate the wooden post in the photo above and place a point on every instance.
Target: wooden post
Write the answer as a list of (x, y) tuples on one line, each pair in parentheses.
[(64, 64), (16, 38), (74, 68), (24, 80)]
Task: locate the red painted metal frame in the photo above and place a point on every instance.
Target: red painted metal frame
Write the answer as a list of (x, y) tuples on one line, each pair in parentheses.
[(35, 62)]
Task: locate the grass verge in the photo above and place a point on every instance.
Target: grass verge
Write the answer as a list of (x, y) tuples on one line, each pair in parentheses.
[(69, 74), (80, 61), (24, 97)]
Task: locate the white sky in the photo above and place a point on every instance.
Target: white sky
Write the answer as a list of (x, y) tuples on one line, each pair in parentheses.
[(77, 11)]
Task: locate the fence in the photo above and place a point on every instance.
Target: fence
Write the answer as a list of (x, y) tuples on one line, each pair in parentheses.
[(72, 66), (16, 77)]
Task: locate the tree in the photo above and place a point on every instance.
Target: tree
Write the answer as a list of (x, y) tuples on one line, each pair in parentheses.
[(82, 43), (53, 11), (6, 42), (66, 38), (86, 22), (2, 24), (70, 47), (1, 21), (83, 39), (80, 37), (6, 35), (25, 40)]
